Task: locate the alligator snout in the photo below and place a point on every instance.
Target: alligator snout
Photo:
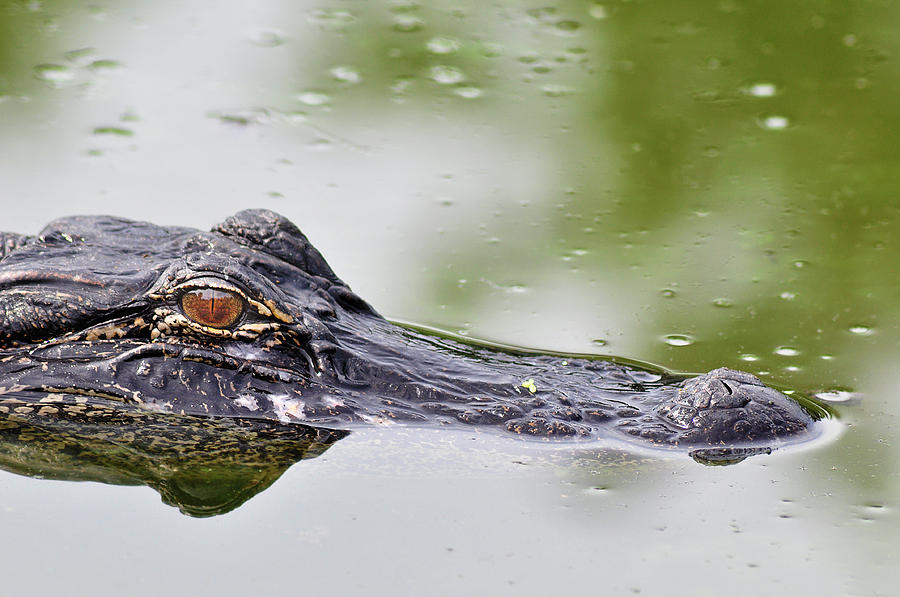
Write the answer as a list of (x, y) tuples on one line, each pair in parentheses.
[(725, 405)]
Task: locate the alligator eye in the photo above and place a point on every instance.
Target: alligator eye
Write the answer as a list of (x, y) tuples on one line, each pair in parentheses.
[(212, 307)]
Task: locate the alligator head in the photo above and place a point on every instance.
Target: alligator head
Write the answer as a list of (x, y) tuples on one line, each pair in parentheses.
[(249, 321)]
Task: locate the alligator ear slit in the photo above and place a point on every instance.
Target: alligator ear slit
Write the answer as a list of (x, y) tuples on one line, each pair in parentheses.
[(727, 387)]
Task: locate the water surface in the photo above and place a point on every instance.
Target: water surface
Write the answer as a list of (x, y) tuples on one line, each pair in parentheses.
[(693, 184)]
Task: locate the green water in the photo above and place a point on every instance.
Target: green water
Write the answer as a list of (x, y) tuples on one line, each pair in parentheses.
[(693, 184)]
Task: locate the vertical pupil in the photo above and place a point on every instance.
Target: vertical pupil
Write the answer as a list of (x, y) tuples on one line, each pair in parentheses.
[(212, 307)]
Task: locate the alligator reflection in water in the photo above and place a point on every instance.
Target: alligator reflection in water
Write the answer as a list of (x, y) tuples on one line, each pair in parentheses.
[(248, 322), (202, 465)]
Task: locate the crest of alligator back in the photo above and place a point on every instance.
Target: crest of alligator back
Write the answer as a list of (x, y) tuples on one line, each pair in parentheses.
[(249, 321)]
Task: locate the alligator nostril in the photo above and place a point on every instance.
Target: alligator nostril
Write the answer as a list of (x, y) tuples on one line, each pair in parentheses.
[(727, 387)]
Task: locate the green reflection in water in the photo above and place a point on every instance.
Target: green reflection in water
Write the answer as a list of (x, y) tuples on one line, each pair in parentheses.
[(202, 466)]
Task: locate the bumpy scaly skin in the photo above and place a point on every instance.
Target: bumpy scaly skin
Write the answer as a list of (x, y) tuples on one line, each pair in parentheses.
[(90, 313)]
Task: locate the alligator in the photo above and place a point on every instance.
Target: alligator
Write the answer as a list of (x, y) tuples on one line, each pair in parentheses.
[(249, 322)]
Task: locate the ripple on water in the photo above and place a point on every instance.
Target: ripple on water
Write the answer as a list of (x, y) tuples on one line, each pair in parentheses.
[(468, 92), (113, 131), (774, 122), (346, 74), (678, 340), (838, 396), (265, 37), (57, 75), (442, 45), (446, 75), (787, 351), (762, 89), (313, 98)]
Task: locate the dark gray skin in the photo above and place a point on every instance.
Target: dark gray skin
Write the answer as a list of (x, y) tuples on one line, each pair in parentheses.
[(91, 313)]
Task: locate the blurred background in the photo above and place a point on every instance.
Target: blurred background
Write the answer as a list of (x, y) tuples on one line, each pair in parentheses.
[(692, 184)]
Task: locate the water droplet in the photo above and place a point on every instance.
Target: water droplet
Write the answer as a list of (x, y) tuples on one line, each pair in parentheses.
[(446, 75), (838, 395), (55, 74), (313, 98), (296, 117), (597, 11), (332, 19), (678, 340), (555, 90), (346, 74), (442, 45), (406, 23), (800, 263), (762, 90), (243, 117), (774, 123), (266, 38), (113, 131), (599, 341), (724, 303), (861, 330), (80, 56), (748, 357), (849, 40), (468, 92), (787, 351), (544, 14), (788, 296), (568, 26), (792, 368), (667, 293), (105, 66)]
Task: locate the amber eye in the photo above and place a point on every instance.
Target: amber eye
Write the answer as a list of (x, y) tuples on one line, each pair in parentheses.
[(212, 307)]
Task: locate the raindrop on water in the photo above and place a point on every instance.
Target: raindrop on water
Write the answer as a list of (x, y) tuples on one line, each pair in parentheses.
[(568, 26), (860, 330), (346, 74), (442, 45), (313, 98), (748, 357), (406, 23), (787, 351), (113, 131), (266, 38), (446, 75), (55, 74), (678, 340), (105, 66), (838, 396), (667, 293), (774, 123), (762, 90), (553, 90), (597, 11), (468, 92), (724, 303)]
